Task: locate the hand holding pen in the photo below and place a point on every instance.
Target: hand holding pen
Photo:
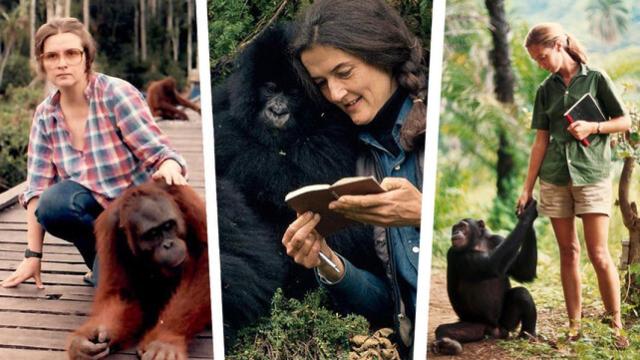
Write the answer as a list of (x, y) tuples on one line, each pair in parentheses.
[(309, 249)]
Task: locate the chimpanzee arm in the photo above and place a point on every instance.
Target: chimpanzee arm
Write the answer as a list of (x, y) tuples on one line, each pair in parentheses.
[(501, 259), (523, 268)]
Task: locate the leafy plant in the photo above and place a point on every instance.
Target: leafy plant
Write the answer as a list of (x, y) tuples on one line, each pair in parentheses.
[(299, 330), (16, 111)]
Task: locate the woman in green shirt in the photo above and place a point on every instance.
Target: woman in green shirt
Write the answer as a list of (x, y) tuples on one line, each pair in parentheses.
[(574, 178)]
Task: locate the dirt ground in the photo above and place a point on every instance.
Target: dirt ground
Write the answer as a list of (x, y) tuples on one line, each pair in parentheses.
[(440, 312)]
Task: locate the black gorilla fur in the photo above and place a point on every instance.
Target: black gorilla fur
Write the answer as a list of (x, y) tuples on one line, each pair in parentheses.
[(270, 139), (253, 262)]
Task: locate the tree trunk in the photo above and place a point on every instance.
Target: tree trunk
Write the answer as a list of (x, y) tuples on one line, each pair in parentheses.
[(503, 77), (8, 47), (504, 89), (143, 30), (136, 35), (172, 31), (86, 16), (32, 29), (51, 9), (67, 8), (59, 9), (189, 36), (629, 211), (153, 7)]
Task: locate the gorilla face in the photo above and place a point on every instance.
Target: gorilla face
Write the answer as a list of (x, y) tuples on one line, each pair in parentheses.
[(277, 108), (265, 92)]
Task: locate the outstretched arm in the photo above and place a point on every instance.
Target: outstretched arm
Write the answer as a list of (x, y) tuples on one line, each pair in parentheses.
[(505, 254), (523, 268), (498, 261), (535, 162)]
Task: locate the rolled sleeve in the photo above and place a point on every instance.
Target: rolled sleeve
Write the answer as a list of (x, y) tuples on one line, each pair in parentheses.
[(139, 130), (608, 97), (360, 292), (41, 172)]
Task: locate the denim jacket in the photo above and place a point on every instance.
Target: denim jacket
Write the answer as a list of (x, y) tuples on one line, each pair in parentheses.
[(375, 297)]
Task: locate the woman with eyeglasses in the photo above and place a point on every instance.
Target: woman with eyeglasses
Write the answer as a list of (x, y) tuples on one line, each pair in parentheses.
[(90, 140)]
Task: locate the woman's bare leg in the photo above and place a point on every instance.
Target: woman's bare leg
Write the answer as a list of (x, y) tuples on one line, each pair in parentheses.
[(596, 233), (565, 231)]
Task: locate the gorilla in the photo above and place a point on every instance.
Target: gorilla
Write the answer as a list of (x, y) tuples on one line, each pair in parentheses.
[(272, 138), (254, 264), (479, 265)]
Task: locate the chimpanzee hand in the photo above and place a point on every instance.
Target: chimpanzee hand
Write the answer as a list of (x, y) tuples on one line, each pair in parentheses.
[(530, 212), (94, 346)]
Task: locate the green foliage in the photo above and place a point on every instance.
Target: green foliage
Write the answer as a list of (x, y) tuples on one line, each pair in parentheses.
[(597, 342), (16, 111), (234, 22), (299, 330), (17, 73)]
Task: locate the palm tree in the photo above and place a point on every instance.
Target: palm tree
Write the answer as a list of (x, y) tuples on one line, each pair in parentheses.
[(609, 19), (504, 87)]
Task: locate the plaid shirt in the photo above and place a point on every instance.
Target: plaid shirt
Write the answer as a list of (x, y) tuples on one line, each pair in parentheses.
[(106, 165)]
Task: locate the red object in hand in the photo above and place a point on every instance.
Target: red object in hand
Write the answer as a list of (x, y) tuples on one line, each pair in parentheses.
[(584, 141)]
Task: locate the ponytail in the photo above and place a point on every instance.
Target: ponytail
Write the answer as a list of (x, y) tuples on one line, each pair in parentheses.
[(548, 34)]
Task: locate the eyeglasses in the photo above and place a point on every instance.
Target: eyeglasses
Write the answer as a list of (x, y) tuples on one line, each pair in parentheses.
[(71, 57)]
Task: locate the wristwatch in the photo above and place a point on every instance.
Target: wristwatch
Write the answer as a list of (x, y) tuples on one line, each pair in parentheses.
[(29, 254)]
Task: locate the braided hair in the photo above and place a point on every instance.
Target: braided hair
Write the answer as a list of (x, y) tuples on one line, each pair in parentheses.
[(374, 32)]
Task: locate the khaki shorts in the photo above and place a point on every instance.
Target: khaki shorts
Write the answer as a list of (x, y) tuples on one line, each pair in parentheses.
[(568, 201)]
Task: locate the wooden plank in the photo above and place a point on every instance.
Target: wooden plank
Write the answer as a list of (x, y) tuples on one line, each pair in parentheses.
[(31, 354), (19, 236), (26, 320), (47, 248), (48, 258), (15, 213), (56, 340), (10, 197), (51, 267), (53, 306), (50, 279), (65, 292)]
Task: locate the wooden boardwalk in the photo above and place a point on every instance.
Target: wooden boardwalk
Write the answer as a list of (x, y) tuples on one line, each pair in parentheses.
[(34, 323)]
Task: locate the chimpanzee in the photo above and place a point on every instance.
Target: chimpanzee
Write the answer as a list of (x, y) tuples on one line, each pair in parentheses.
[(479, 265)]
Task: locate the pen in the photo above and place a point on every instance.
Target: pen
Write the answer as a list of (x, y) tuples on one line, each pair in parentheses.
[(328, 261)]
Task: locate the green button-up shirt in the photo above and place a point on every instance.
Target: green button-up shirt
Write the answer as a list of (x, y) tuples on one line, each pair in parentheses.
[(567, 160)]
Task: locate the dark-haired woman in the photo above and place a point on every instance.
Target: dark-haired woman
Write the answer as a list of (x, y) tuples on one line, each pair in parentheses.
[(90, 140), (360, 57), (574, 178)]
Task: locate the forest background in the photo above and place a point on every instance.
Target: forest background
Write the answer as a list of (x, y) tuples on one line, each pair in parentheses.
[(137, 40), (488, 88)]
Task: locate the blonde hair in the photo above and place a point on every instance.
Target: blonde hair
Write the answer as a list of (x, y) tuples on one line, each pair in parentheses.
[(548, 34), (60, 26)]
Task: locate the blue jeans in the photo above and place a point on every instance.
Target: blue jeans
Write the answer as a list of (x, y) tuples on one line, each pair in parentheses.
[(67, 210)]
